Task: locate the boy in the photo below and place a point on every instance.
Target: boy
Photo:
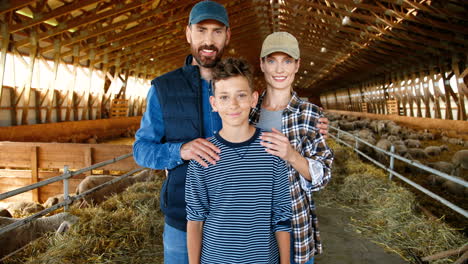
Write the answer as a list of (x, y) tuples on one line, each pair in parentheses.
[(238, 210)]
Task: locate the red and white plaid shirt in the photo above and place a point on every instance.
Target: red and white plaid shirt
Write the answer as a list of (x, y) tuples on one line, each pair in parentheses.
[(299, 120)]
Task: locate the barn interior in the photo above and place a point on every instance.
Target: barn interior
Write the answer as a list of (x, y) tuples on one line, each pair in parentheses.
[(78, 71)]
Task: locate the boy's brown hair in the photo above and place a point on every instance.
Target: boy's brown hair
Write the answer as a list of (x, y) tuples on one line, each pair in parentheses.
[(232, 67)]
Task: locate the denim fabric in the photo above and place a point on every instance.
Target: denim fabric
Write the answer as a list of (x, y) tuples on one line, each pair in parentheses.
[(211, 120), (291, 253), (175, 246), (151, 132)]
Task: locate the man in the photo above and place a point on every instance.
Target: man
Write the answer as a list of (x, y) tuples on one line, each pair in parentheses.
[(179, 118)]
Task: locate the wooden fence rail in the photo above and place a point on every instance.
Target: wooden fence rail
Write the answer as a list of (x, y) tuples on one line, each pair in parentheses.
[(24, 163)]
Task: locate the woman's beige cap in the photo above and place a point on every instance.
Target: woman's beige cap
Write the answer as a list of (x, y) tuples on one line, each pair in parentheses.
[(280, 42)]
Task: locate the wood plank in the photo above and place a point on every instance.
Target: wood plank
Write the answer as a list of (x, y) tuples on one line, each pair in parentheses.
[(11, 156)]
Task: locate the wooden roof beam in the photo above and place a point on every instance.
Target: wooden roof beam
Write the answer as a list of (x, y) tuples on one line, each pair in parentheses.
[(82, 21), (7, 6), (41, 17)]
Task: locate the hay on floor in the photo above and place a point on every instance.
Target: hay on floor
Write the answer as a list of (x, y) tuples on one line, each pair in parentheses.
[(126, 228), (386, 212)]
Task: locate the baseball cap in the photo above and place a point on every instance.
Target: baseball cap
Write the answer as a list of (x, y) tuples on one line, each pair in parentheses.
[(280, 42), (208, 10)]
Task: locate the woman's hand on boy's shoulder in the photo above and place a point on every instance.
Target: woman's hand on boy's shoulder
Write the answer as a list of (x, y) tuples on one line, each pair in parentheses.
[(200, 150), (276, 143)]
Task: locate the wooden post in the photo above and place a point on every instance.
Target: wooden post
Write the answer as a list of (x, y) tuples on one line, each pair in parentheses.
[(88, 158), (437, 93), (447, 89), (4, 50), (13, 104), (34, 173), (427, 94), (71, 88), (37, 105), (462, 89), (87, 113), (53, 84), (29, 78)]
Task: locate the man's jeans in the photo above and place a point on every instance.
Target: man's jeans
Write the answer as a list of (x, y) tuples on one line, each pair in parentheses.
[(175, 245)]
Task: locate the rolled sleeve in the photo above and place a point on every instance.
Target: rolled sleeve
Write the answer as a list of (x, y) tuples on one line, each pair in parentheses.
[(316, 174)]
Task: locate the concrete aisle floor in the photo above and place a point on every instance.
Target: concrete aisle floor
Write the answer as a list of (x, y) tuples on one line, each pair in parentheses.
[(342, 245)]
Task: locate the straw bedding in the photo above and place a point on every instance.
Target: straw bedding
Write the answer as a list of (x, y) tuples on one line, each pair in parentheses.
[(386, 212), (126, 228)]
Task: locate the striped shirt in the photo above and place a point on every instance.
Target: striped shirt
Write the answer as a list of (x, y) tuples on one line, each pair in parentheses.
[(243, 200), (299, 125)]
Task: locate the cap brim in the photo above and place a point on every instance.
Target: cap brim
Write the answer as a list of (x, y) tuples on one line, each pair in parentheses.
[(279, 49), (199, 19)]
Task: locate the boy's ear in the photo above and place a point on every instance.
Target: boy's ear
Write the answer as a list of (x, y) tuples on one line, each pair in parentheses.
[(213, 103), (254, 99)]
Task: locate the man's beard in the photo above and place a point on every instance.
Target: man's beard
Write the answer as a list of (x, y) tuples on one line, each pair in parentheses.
[(207, 62)]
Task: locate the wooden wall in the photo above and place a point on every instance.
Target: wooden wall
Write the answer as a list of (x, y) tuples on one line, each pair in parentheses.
[(22, 164)]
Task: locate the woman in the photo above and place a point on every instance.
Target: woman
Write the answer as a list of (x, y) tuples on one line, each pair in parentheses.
[(294, 138)]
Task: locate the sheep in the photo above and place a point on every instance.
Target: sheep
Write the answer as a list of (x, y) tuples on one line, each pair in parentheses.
[(366, 148), (100, 195), (400, 149), (384, 144), (413, 143), (442, 166), (362, 123), (460, 162), (435, 180), (434, 150), (427, 136), (53, 200), (24, 208), (21, 236), (417, 153), (414, 136), (345, 125), (455, 141), (393, 138), (398, 142), (453, 187), (393, 129), (5, 213)]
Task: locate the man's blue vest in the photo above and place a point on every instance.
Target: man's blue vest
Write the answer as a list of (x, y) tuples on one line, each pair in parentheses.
[(180, 99)]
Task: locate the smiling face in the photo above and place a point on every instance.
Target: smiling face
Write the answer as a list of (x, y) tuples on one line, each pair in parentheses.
[(233, 98), (207, 41), (279, 70)]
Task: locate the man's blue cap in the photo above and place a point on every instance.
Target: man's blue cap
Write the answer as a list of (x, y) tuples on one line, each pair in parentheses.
[(208, 10)]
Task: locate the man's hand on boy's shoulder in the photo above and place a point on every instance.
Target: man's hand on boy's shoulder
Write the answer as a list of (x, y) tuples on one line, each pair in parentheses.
[(322, 125), (200, 150)]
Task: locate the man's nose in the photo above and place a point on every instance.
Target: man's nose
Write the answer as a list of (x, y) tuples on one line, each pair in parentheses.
[(208, 39)]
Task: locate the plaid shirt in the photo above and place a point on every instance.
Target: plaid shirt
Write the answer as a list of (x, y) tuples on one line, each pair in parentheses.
[(299, 121)]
